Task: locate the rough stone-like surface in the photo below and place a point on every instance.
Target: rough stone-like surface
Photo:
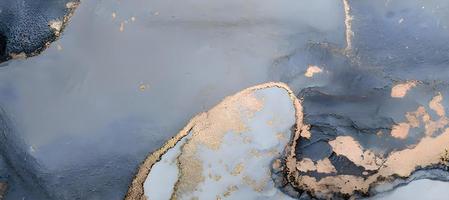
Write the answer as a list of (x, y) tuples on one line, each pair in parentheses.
[(28, 26)]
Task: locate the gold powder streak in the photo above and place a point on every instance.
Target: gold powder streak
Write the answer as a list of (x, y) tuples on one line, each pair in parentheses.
[(348, 25), (399, 163), (400, 90)]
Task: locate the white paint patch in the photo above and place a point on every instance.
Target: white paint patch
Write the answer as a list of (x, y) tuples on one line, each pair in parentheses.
[(348, 24), (241, 166), (421, 189), (267, 135), (164, 174)]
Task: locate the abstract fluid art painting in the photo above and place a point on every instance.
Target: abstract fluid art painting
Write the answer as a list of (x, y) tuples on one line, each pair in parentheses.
[(224, 99)]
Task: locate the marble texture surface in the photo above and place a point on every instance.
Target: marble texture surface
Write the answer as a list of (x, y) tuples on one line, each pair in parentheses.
[(229, 151), (125, 76)]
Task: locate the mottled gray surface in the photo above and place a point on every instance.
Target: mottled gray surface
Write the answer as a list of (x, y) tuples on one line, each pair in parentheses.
[(394, 42), (78, 116)]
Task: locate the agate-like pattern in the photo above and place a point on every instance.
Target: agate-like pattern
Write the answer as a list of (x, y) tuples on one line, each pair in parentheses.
[(246, 147), (232, 151)]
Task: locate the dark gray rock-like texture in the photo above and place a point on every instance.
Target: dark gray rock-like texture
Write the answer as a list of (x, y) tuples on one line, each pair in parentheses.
[(25, 25)]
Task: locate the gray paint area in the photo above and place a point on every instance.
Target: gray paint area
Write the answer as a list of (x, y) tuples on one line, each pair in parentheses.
[(83, 117), (125, 76)]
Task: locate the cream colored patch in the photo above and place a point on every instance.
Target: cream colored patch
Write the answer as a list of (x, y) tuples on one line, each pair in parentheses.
[(56, 25), (21, 55), (122, 26), (413, 117), (306, 165), (277, 165), (431, 126), (435, 104), (306, 132), (400, 130), (325, 166), (321, 166), (143, 87), (348, 147), (71, 5), (311, 70), (400, 90)]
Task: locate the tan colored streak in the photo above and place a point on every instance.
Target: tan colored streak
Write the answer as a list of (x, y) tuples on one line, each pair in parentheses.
[(413, 117), (400, 90), (135, 191), (325, 166), (311, 70), (427, 152), (230, 190), (18, 56), (306, 132), (306, 165), (122, 26), (400, 130), (237, 169), (322, 166), (72, 5), (431, 126), (348, 147), (56, 25), (435, 104)]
